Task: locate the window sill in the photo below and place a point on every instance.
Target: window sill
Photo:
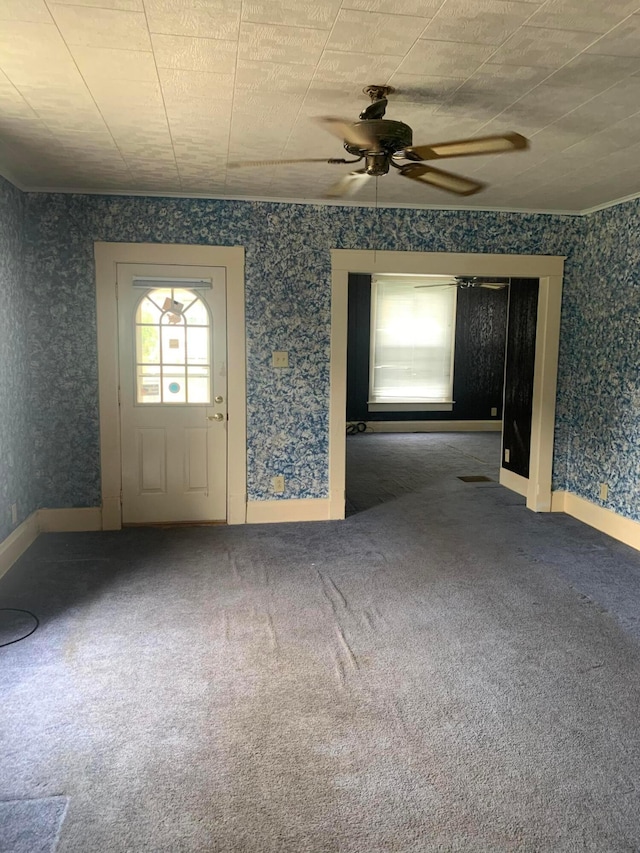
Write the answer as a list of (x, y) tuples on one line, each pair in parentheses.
[(415, 406)]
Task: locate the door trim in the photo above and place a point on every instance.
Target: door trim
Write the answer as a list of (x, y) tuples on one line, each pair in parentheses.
[(547, 268), (107, 256)]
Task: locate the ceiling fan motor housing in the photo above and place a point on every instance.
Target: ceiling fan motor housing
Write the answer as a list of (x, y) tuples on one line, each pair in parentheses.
[(392, 136)]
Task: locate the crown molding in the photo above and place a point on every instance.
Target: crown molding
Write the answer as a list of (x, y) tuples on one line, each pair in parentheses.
[(607, 204), (317, 202), (314, 202)]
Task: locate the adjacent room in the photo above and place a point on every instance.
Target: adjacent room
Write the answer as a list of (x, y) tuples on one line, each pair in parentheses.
[(319, 459)]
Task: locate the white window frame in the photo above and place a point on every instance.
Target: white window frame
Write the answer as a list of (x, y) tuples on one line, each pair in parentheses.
[(378, 403), (172, 285)]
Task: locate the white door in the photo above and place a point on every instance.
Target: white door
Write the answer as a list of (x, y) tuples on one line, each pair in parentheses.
[(173, 392)]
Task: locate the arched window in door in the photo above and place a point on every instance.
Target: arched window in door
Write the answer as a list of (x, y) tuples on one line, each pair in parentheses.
[(173, 348)]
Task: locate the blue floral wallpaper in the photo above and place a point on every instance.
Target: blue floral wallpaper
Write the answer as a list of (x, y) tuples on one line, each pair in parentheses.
[(598, 415), (48, 361), (288, 307), (16, 447)]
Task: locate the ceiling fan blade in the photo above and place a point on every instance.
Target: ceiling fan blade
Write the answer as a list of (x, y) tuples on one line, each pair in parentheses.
[(352, 132), (242, 163), (490, 286), (468, 147), (349, 185), (443, 180), (439, 284)]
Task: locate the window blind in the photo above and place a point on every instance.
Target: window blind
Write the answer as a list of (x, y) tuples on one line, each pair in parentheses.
[(412, 339)]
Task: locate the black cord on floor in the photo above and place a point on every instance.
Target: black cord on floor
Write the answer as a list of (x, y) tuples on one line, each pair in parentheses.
[(353, 428), (24, 637)]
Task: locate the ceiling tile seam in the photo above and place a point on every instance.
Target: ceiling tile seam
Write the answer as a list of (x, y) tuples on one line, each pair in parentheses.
[(450, 41), (595, 160), (563, 116), (304, 97), (368, 53), (583, 32), (394, 14), (555, 70), (80, 74), (183, 36), (84, 6), (233, 97), (164, 105), (119, 49), (487, 61), (277, 26), (438, 10), (13, 85)]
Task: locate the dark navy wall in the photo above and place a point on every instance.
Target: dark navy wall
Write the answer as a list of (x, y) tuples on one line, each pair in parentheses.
[(518, 381), (479, 356)]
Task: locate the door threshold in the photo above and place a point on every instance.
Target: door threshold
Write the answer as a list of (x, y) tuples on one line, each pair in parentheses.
[(173, 523)]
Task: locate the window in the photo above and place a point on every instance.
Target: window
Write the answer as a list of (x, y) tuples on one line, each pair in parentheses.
[(173, 348), (412, 343)]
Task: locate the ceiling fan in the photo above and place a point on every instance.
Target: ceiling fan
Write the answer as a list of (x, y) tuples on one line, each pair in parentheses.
[(382, 143), (467, 281)]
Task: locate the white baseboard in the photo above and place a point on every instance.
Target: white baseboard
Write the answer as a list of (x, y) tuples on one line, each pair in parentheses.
[(617, 526), (111, 513), (302, 509), (17, 542), (46, 521), (237, 509), (73, 520), (514, 482), (433, 426)]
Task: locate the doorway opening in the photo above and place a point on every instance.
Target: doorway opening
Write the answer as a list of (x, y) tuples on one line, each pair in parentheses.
[(547, 270), (444, 355)]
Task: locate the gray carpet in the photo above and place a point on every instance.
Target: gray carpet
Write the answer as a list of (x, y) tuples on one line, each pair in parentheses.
[(436, 673), (31, 826)]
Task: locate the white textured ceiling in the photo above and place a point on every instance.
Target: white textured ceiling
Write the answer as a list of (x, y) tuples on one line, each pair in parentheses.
[(158, 95)]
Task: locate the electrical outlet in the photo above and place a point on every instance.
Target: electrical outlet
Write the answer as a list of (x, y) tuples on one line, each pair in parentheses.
[(280, 358), (604, 491), (507, 454), (14, 513), (277, 483), (494, 412)]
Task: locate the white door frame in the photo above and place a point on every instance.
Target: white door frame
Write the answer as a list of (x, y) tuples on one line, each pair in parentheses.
[(107, 256), (547, 268)]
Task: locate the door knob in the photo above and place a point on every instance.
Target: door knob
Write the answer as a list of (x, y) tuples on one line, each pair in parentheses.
[(217, 417)]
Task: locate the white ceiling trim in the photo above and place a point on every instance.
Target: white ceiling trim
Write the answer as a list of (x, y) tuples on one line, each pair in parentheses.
[(319, 202)]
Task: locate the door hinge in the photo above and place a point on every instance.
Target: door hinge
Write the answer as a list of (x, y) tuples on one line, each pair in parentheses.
[(118, 395), (120, 497), (116, 288)]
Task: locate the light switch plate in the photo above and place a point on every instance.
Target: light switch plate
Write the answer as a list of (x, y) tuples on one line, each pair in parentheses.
[(280, 358)]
